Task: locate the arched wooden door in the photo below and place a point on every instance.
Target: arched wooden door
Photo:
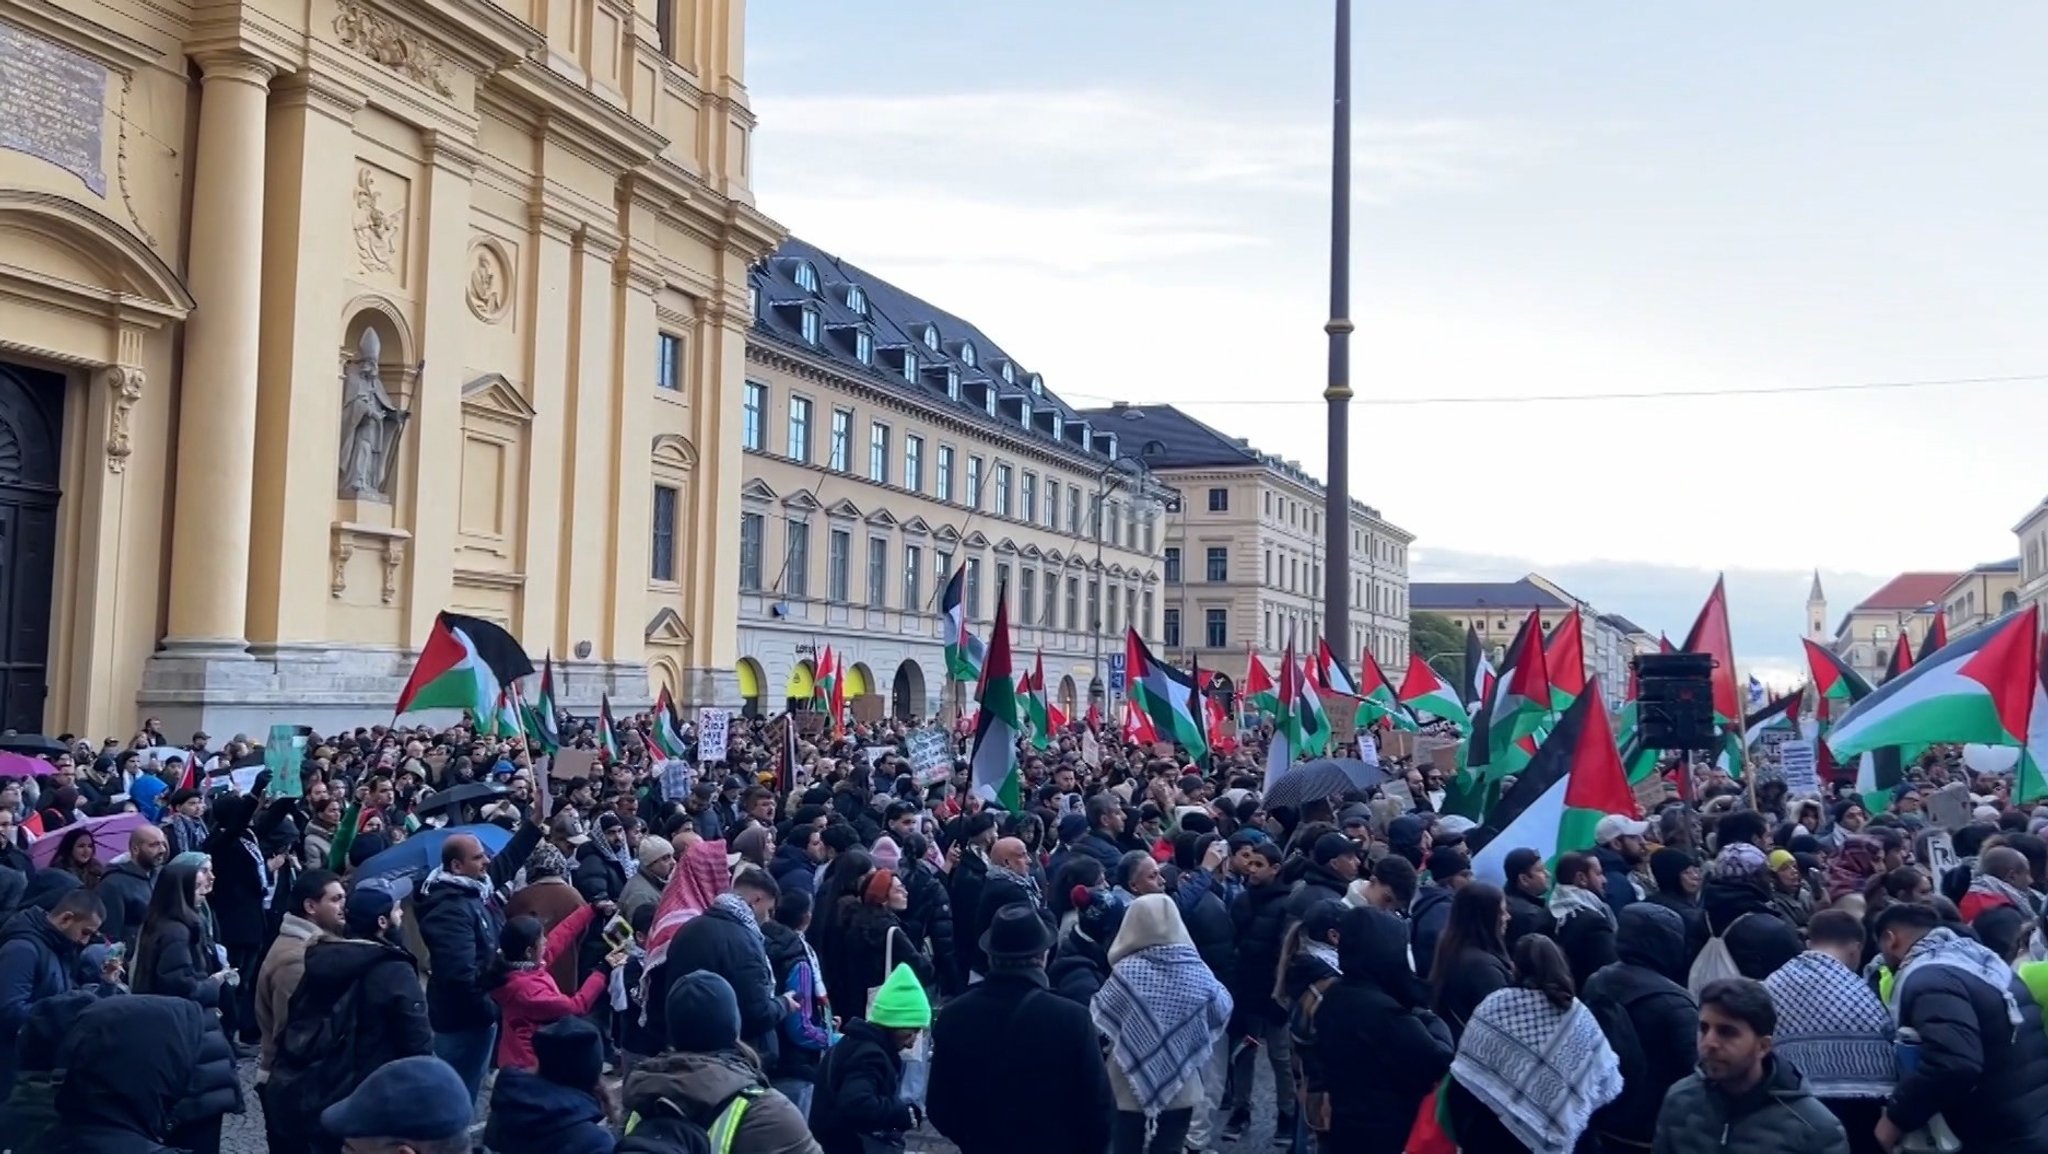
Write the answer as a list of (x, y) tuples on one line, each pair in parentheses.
[(31, 420)]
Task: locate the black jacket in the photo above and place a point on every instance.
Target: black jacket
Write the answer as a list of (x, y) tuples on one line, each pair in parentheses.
[(531, 1115), (460, 928), (1260, 918), (1651, 1022), (1380, 1051), (1621, 887), (1777, 1116), (1473, 974), (1317, 884), (125, 890), (1069, 1108), (964, 885), (128, 1061), (1208, 923), (391, 1014), (856, 1097), (997, 891), (1079, 969), (239, 830), (177, 961), (597, 876), (1102, 848), (1427, 917), (929, 919), (213, 1087), (36, 962), (1527, 915), (793, 869), (719, 942), (1988, 1079), (1690, 912), (1587, 939), (875, 937)]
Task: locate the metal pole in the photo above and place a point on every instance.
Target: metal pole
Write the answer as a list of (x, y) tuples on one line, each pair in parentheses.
[(1337, 493)]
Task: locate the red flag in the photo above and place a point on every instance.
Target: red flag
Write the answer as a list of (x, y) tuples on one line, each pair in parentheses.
[(1710, 635), (1937, 633), (33, 823), (1564, 656)]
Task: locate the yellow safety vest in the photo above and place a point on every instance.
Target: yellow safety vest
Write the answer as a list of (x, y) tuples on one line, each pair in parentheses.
[(726, 1127)]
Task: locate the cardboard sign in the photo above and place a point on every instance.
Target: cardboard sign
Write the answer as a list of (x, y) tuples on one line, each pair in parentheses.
[(1398, 744), (1651, 792), (869, 708), (1941, 855), (1799, 765), (569, 764), (714, 735), (811, 723), (1949, 807), (1343, 728), (1091, 750), (931, 756), (284, 754), (1445, 759)]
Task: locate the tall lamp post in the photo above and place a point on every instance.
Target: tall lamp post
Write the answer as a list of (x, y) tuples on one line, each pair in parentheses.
[(1136, 474), (1337, 394)]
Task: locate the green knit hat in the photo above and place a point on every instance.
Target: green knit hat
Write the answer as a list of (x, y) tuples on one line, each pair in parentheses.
[(901, 1004)]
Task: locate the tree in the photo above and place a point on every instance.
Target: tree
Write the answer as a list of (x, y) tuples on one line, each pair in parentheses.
[(1441, 643)]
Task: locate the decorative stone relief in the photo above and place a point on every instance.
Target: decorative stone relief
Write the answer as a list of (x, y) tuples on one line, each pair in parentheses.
[(395, 47), (490, 283), (378, 229), (372, 424), (125, 382), (394, 559), (344, 548)]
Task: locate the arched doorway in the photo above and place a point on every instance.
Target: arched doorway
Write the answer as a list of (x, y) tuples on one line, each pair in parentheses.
[(751, 681), (802, 687), (1070, 700), (906, 696), (31, 417), (860, 681)]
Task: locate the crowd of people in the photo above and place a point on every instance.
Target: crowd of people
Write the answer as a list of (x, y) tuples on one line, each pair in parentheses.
[(431, 941)]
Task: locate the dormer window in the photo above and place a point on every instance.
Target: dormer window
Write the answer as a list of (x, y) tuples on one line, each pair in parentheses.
[(1059, 429), (1037, 385), (931, 337), (909, 365), (856, 300), (806, 277), (952, 383), (1024, 412), (967, 353), (810, 326), (1111, 439), (864, 348), (988, 401), (1009, 373)]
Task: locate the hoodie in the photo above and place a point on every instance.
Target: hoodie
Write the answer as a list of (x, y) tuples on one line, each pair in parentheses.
[(531, 1115), (36, 962), (1650, 1020), (127, 1062), (699, 1087)]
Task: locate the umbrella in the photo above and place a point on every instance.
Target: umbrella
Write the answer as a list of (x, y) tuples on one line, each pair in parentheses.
[(459, 795), (14, 764), (109, 838), (1316, 780), (421, 852), (33, 744)]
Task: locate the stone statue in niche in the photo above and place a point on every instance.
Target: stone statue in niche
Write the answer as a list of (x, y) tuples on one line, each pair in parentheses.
[(371, 424)]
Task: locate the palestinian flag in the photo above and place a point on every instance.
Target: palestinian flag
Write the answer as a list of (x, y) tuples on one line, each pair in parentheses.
[(1574, 780), (824, 684), (1331, 674), (1212, 709), (1429, 695), (1377, 699), (2029, 784), (1518, 706), (505, 715), (1833, 680), (1257, 692), (1479, 675), (1710, 635), (1315, 733), (1167, 697), (1300, 714), (1937, 634), (1037, 712), (668, 732), (1977, 689), (996, 775), (1564, 659), (1902, 659), (1638, 760), (607, 728), (1782, 713), (466, 664), (1137, 727), (964, 652), (538, 718)]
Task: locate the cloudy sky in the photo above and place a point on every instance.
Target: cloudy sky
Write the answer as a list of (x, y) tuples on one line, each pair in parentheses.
[(1679, 198)]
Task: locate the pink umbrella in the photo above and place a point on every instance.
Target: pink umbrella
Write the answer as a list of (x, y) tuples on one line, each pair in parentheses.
[(109, 838), (21, 765)]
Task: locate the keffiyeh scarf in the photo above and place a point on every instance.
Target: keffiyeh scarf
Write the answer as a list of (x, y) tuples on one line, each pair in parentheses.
[(1567, 900), (1998, 887), (1943, 948), (1833, 1027), (1542, 1070), (736, 906), (1740, 860), (1163, 1012), (1028, 883), (1323, 952)]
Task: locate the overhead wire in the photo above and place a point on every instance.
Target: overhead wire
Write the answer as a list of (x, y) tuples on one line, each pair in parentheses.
[(1361, 398)]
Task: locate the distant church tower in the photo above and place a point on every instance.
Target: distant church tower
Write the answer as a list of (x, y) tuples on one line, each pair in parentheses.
[(1817, 612)]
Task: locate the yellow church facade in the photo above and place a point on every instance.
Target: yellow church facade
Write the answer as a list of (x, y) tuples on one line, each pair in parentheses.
[(319, 317)]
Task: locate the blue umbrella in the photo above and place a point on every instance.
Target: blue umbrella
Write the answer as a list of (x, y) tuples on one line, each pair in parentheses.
[(420, 853)]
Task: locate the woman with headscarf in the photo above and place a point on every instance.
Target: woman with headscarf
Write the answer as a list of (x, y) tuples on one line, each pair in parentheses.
[(1163, 1013), (1533, 1064), (1854, 865), (548, 898)]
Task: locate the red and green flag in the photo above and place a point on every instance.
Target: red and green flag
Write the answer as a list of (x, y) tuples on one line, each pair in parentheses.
[(1377, 700), (1902, 658), (1257, 691), (668, 731), (1300, 727), (1331, 674), (1166, 696), (996, 776), (830, 689), (964, 651), (1427, 694), (1564, 659), (467, 663), (1937, 633), (538, 718), (1517, 708), (1479, 674), (1980, 688), (1711, 635), (1575, 779), (2029, 784), (607, 728), (1037, 709)]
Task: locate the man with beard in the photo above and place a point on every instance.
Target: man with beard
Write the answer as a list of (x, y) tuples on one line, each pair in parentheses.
[(1743, 1099), (125, 888), (1618, 843)]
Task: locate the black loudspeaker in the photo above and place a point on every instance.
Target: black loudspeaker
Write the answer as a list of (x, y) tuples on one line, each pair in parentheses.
[(1675, 701)]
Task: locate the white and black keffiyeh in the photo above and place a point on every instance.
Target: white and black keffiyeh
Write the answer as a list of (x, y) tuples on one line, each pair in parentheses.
[(1541, 1070), (1942, 947), (1998, 887), (1163, 1013), (741, 912), (1833, 1026), (1024, 881), (1567, 900)]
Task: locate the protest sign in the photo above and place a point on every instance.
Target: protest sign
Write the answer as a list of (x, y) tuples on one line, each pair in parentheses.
[(868, 708), (675, 779), (1941, 854), (284, 754), (1398, 744), (569, 764), (714, 730), (1651, 792), (1950, 806), (1799, 765), (931, 755), (1343, 729), (1091, 750)]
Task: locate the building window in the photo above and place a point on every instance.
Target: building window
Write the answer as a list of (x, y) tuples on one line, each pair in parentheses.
[(1881, 633), (750, 552), (1268, 634), (878, 572), (1131, 610), (1027, 493), (806, 277), (1027, 595), (1109, 614), (753, 415), (810, 324), (952, 383), (1074, 510), (668, 362), (1073, 604), (913, 579), (1218, 564), (913, 464), (1059, 427), (856, 300), (973, 493), (796, 559), (662, 554), (931, 337), (1145, 623), (878, 453), (1173, 564), (988, 401), (842, 438), (1216, 627), (1024, 413), (864, 347), (1151, 534), (944, 492), (909, 365), (1095, 605), (1009, 373), (1219, 500), (1169, 630), (838, 565), (974, 584), (1052, 588), (1002, 490), (967, 353), (1052, 503), (800, 429)]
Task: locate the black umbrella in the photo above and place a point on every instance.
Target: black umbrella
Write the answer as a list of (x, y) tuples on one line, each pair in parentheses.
[(33, 744), (1318, 780), (460, 795)]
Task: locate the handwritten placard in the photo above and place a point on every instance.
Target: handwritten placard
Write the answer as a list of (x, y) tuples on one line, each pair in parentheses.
[(931, 755), (714, 735), (53, 105), (1799, 765)]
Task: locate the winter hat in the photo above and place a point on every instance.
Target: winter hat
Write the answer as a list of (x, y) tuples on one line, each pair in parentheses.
[(887, 854), (1332, 846), (1666, 865), (876, 891), (703, 1014), (901, 1003), (1779, 859), (1098, 914), (1152, 920), (546, 862), (1073, 827), (653, 850), (365, 905), (570, 1052), (420, 1097)]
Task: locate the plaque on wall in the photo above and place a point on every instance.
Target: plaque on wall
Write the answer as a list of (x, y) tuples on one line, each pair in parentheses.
[(53, 105)]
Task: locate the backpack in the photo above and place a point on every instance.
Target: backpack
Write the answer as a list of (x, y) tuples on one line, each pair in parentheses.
[(315, 1063), (1714, 962), (672, 1131)]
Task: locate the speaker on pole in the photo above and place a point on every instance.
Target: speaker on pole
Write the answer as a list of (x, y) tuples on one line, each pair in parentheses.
[(1675, 700)]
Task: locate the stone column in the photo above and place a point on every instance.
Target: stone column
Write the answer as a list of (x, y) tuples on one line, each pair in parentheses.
[(217, 409)]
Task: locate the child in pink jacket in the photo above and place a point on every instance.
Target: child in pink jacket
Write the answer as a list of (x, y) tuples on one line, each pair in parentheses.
[(529, 998)]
